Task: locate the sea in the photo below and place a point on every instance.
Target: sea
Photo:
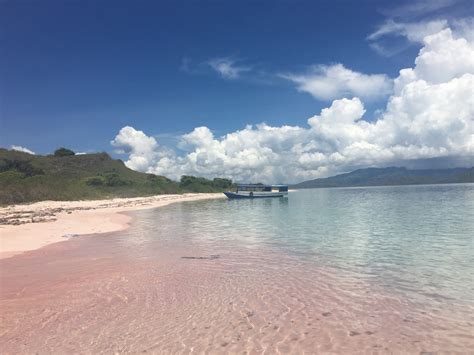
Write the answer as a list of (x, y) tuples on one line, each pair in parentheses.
[(330, 270)]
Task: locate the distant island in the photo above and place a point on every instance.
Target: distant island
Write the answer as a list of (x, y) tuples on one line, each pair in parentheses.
[(392, 176), (65, 175)]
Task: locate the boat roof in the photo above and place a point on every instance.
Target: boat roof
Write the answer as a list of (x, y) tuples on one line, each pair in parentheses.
[(260, 185)]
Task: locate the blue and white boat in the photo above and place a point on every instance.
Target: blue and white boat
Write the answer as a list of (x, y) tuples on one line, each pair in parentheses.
[(257, 191)]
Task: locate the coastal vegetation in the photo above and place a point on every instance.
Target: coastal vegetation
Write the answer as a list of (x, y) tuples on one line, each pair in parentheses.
[(67, 176)]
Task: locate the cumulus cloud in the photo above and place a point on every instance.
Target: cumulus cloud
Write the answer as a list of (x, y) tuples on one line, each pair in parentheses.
[(227, 67), (442, 58), (22, 149), (430, 114), (325, 82), (141, 149)]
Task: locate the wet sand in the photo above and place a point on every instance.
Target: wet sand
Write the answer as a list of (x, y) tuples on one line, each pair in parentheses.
[(32, 226), (114, 294)]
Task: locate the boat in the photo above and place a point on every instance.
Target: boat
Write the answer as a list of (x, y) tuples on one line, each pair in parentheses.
[(257, 191)]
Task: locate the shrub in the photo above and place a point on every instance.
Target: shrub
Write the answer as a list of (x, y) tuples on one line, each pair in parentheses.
[(187, 180), (222, 183), (95, 181), (114, 179), (152, 178), (199, 184), (21, 166), (63, 152), (10, 177)]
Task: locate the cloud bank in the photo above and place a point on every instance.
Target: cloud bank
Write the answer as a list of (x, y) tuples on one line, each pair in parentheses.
[(429, 114)]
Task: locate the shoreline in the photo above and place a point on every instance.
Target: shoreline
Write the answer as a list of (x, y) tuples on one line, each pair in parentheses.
[(32, 226)]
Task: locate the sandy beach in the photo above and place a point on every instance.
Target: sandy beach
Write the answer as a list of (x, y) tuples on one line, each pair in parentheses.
[(32, 226)]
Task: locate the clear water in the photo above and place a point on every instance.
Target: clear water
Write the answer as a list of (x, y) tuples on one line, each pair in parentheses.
[(354, 270), (417, 240)]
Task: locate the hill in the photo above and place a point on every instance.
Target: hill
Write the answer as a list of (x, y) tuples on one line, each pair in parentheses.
[(392, 176), (26, 178)]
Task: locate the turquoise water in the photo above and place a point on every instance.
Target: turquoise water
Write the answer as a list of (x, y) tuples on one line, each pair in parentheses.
[(416, 240)]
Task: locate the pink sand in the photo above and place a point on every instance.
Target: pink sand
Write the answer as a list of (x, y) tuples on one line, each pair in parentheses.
[(109, 295)]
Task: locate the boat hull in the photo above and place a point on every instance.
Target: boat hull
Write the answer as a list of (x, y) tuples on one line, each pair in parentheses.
[(247, 195)]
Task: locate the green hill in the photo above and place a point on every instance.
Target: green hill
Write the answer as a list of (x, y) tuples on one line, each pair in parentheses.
[(392, 176), (26, 178)]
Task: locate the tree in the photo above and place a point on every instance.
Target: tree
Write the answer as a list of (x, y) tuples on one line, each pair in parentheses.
[(63, 152), (22, 166), (222, 183)]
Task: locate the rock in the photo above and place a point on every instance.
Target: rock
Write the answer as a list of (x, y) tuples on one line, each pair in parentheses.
[(70, 235), (210, 257)]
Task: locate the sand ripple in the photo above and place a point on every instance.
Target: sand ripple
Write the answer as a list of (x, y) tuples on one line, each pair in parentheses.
[(99, 295)]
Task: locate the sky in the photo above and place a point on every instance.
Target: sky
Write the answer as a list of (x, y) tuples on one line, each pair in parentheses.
[(274, 91)]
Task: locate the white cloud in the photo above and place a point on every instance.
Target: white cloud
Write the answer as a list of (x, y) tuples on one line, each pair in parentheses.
[(430, 114), (141, 148), (416, 8), (464, 28), (416, 19), (336, 81), (444, 57), (414, 32), (424, 6), (227, 67), (22, 149)]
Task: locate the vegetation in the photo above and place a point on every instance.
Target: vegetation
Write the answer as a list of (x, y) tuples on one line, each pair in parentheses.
[(20, 166), (63, 152), (392, 176), (203, 185), (65, 176)]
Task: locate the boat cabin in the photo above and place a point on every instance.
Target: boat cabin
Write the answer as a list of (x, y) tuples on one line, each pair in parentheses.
[(262, 188)]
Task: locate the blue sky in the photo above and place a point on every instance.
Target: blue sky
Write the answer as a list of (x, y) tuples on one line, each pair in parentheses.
[(77, 71), (74, 73)]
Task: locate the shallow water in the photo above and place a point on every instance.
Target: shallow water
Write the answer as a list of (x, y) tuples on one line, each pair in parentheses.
[(413, 239), (385, 269)]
